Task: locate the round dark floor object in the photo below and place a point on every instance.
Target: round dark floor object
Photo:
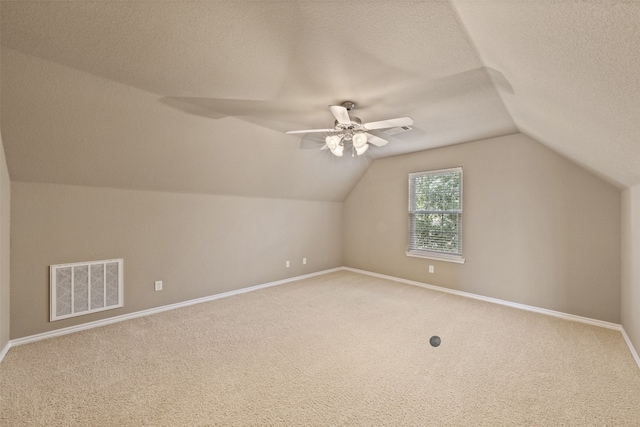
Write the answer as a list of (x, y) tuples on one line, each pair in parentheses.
[(434, 341)]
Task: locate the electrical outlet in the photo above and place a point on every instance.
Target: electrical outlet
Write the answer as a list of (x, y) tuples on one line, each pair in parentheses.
[(304, 260), (287, 264), (158, 285), (431, 269)]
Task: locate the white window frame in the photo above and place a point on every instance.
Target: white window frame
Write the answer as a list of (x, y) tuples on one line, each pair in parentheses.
[(440, 256)]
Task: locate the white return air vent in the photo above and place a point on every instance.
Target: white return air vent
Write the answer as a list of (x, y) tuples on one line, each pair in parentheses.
[(394, 131), (85, 287)]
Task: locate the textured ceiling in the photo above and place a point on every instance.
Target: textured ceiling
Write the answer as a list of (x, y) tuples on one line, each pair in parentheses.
[(195, 96), (575, 71)]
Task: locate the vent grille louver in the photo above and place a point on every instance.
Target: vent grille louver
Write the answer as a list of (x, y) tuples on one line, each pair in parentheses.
[(85, 287), (397, 130)]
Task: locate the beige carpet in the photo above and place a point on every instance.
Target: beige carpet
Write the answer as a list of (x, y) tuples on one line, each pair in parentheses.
[(338, 349)]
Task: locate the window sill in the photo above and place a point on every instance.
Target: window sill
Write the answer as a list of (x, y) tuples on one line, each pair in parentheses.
[(439, 257)]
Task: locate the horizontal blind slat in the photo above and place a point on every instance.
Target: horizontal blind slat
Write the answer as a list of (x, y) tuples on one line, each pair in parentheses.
[(435, 211)]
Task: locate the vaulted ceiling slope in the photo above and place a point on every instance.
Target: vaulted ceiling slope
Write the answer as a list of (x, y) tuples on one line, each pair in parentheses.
[(195, 96), (575, 71)]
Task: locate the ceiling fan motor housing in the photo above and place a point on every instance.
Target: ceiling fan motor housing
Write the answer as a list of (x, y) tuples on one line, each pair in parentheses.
[(354, 126)]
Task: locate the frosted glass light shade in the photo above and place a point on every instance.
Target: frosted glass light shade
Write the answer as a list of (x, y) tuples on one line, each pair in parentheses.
[(361, 150), (333, 141), (334, 144), (338, 151), (359, 140)]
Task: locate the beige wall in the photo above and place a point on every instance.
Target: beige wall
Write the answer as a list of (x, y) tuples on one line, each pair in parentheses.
[(553, 242), (630, 301), (198, 245), (538, 229), (5, 201)]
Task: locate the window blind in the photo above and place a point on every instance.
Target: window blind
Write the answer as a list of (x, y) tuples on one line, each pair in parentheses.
[(435, 212)]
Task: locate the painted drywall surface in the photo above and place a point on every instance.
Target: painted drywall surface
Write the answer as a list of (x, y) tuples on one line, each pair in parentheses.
[(277, 64), (571, 68), (5, 201), (198, 245), (537, 229), (630, 301), (65, 126)]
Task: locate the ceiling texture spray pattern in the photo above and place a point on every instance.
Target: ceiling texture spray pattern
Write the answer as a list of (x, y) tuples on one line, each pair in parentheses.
[(576, 69), (195, 96)]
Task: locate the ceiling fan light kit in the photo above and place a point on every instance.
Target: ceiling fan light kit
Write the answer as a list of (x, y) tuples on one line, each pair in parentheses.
[(360, 151), (334, 143), (359, 140), (349, 129)]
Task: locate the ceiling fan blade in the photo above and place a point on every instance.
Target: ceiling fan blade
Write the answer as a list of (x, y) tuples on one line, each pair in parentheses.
[(293, 132), (391, 123), (375, 140), (313, 140), (341, 114)]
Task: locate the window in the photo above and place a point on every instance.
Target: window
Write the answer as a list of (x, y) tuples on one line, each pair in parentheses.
[(435, 214)]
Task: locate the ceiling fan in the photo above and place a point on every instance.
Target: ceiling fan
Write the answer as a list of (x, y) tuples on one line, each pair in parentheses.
[(349, 130)]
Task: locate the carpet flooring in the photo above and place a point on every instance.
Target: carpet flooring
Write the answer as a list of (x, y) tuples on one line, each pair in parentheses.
[(341, 349)]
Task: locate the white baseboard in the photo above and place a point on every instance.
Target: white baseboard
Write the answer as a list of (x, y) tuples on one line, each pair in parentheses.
[(115, 319), (4, 351), (566, 316), (98, 323), (553, 313), (634, 353)]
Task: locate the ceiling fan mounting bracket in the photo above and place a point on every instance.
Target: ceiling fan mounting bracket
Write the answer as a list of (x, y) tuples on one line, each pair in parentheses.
[(349, 105)]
